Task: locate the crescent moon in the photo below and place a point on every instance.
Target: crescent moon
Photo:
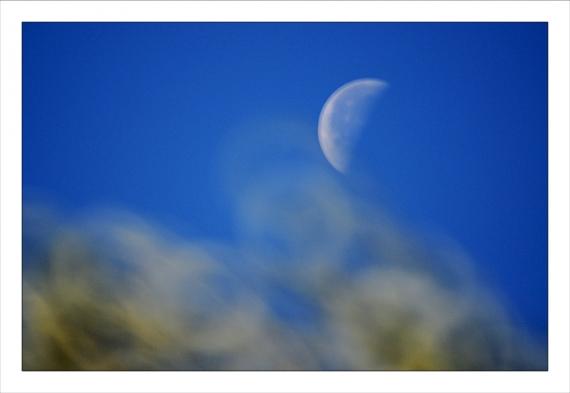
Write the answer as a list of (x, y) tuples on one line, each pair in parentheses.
[(343, 115)]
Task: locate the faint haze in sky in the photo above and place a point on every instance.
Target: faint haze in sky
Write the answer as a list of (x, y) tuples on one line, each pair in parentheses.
[(179, 213)]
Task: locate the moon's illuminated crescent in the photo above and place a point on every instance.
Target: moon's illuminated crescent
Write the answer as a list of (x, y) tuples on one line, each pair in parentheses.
[(342, 118)]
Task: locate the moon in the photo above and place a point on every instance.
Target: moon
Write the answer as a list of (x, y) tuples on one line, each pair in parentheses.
[(342, 118)]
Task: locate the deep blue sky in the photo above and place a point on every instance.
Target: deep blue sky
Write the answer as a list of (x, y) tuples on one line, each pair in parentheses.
[(131, 115)]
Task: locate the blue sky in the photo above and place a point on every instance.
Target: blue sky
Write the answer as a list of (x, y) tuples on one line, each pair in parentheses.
[(135, 115)]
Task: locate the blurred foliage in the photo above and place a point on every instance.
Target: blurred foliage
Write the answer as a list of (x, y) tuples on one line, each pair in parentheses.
[(143, 301)]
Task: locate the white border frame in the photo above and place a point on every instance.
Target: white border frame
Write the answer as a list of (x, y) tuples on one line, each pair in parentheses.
[(14, 380)]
